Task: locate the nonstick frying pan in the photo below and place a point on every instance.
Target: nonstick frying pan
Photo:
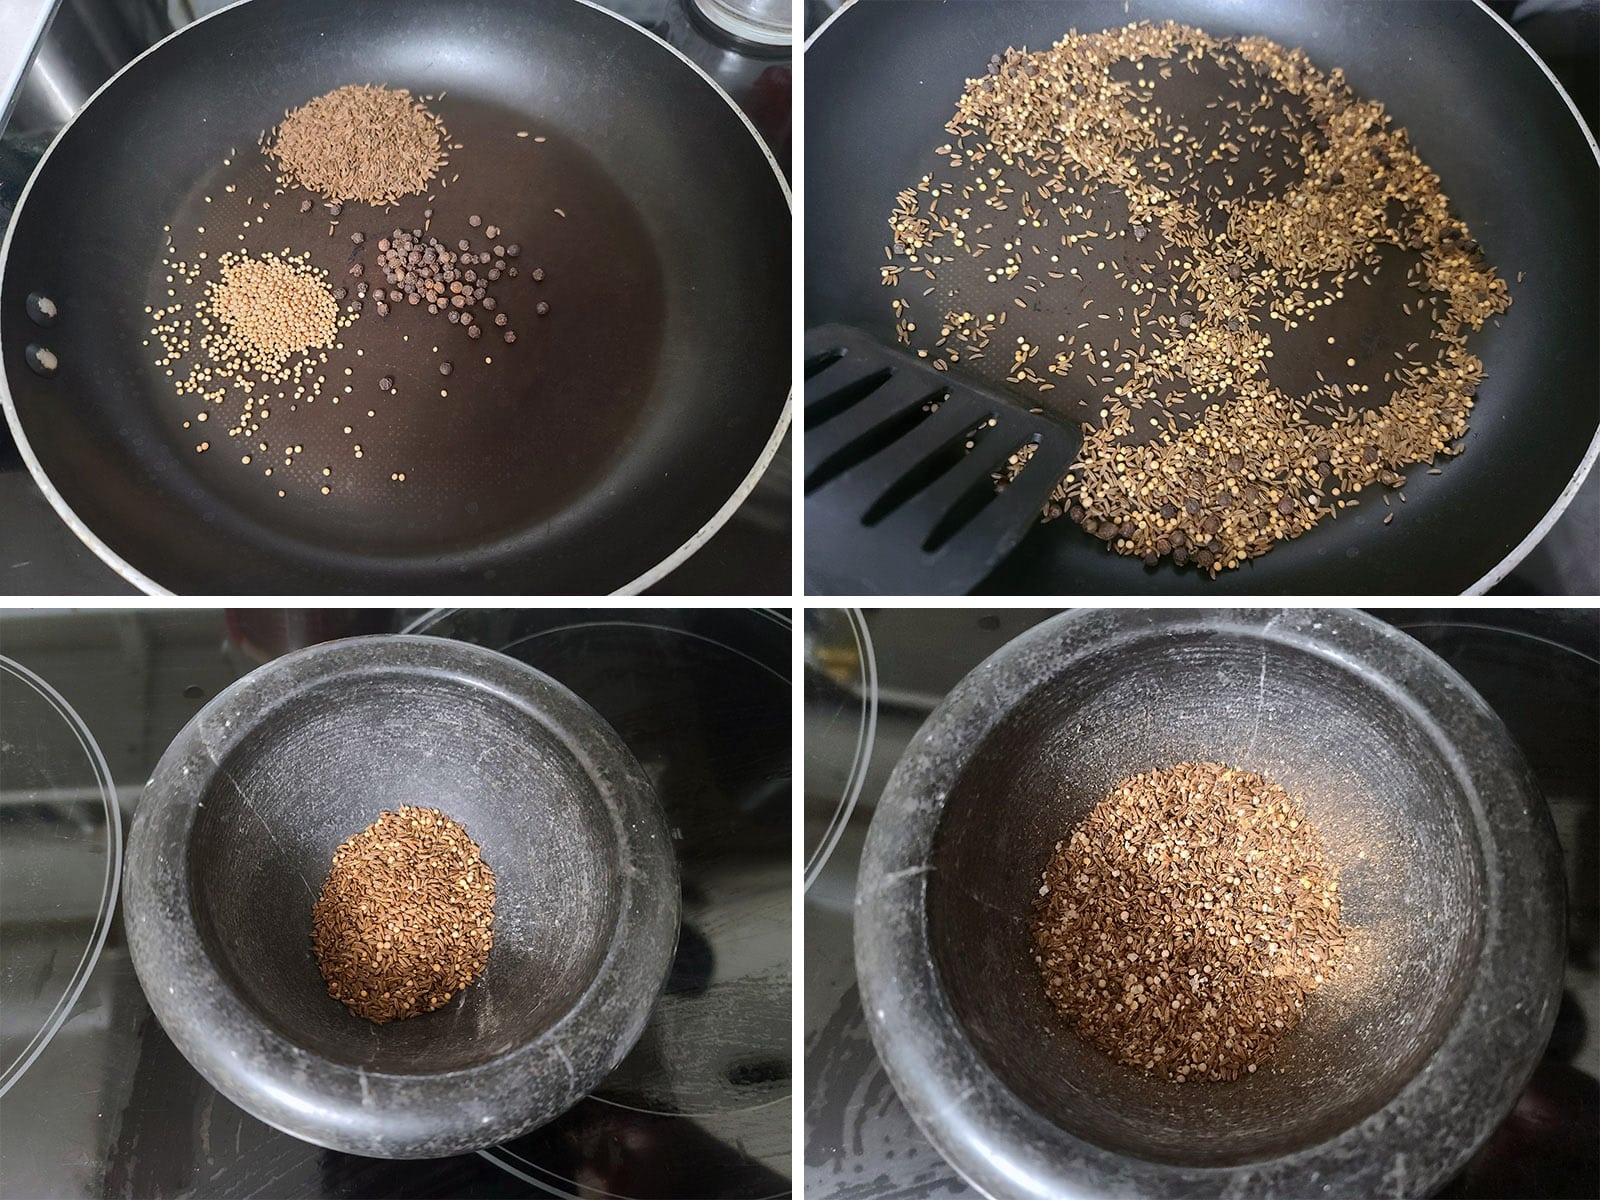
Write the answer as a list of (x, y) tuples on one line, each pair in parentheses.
[(593, 455), (1518, 165)]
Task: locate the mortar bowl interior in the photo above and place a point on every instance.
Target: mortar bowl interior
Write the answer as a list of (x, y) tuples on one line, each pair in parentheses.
[(1444, 848), (236, 833)]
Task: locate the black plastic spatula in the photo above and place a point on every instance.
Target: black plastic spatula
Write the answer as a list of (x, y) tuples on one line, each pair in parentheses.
[(895, 501)]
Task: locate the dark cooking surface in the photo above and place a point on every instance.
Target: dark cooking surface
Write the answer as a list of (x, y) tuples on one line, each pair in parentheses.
[(1371, 324), (1457, 526), (495, 470), (497, 443), (1541, 674), (700, 1109)]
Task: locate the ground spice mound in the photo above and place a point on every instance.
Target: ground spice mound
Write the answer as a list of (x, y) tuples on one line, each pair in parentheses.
[(1233, 272), (360, 143), (403, 921), (1183, 923)]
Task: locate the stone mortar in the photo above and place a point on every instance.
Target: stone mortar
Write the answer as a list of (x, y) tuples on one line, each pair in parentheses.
[(235, 833), (1451, 880)]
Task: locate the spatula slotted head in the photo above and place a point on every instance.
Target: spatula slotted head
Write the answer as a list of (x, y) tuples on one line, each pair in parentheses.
[(906, 471)]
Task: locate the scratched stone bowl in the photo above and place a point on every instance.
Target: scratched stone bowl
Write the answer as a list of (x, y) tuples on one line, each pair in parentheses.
[(1451, 878), (235, 833)]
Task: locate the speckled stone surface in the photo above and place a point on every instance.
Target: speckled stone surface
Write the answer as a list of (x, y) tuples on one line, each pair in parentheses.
[(1451, 878), (235, 833)]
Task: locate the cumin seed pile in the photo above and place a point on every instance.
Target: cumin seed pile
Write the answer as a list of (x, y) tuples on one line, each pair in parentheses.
[(403, 921), (1235, 273), (1183, 923), (360, 142)]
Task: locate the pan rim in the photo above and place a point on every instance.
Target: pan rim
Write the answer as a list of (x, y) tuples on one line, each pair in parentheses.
[(1537, 534), (147, 584), (1564, 498)]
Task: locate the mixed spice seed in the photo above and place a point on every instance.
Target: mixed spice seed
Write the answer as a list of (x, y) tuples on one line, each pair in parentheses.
[(1183, 924), (1234, 272), (264, 335), (404, 919)]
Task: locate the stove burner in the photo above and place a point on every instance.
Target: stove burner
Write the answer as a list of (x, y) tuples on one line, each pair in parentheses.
[(702, 699)]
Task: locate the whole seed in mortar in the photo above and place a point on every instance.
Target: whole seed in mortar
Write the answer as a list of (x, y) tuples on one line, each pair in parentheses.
[(403, 921), (1184, 922)]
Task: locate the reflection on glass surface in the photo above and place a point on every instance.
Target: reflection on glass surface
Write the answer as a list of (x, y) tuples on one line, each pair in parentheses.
[(60, 860), (841, 697)]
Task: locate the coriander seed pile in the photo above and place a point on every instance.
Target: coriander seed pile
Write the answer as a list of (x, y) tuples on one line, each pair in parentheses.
[(270, 308), (403, 921), (1234, 273), (257, 337), (1182, 925)]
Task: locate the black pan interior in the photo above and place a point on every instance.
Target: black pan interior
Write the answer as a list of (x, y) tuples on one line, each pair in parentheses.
[(583, 456), (883, 79)]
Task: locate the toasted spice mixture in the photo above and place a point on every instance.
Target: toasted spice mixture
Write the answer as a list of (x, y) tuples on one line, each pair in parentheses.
[(1233, 271), (403, 921), (1183, 923), (360, 142)]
